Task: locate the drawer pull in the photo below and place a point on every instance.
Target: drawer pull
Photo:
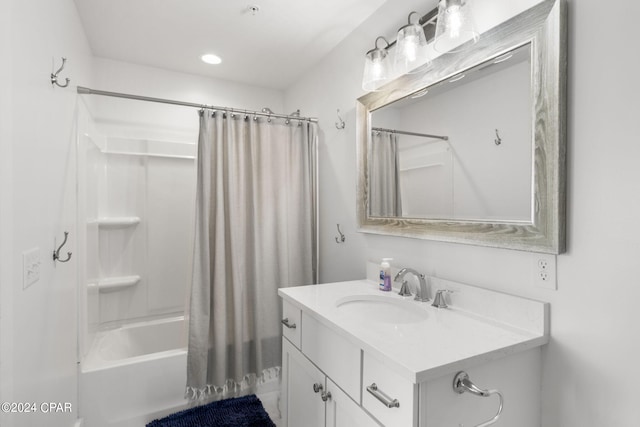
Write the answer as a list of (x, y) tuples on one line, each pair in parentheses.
[(286, 323), (317, 387), (383, 397), (326, 395)]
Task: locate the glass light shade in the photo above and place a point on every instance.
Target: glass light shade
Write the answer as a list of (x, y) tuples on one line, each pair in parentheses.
[(376, 68), (455, 26), (411, 49)]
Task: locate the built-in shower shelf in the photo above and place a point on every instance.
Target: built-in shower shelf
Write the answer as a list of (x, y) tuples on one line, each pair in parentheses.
[(112, 284), (118, 222)]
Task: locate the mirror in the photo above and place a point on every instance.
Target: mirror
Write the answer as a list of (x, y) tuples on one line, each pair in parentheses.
[(473, 149), (460, 149)]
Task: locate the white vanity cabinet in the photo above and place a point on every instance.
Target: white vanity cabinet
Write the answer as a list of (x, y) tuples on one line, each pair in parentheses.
[(311, 399), (310, 395), (342, 371), (302, 402)]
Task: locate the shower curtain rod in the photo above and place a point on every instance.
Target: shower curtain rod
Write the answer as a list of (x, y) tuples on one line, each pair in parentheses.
[(402, 132), (86, 91)]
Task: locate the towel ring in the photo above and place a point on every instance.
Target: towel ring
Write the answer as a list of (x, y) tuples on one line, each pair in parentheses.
[(462, 383)]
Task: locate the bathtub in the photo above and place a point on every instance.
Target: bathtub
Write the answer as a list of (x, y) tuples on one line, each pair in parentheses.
[(134, 374)]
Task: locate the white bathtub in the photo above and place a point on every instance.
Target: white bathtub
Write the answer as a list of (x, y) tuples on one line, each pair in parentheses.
[(134, 374)]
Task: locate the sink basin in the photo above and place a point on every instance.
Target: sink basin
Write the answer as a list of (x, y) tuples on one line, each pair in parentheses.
[(383, 309)]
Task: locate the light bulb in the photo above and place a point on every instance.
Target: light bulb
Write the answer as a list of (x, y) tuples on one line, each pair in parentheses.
[(454, 21), (411, 49), (455, 26)]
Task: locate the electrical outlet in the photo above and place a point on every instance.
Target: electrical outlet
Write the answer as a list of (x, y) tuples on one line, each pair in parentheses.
[(31, 267), (543, 271)]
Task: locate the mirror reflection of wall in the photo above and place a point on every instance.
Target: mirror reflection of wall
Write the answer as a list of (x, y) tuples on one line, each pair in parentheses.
[(470, 176), (426, 178)]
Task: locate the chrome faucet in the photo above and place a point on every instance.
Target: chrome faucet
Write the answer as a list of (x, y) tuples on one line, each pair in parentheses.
[(421, 291)]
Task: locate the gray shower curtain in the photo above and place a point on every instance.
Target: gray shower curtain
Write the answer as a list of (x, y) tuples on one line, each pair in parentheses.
[(255, 232), (384, 176)]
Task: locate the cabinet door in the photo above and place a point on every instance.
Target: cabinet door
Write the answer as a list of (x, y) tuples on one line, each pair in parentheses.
[(302, 404), (344, 412)]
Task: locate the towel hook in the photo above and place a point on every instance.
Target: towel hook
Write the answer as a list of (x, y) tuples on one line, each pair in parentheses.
[(56, 253), (498, 140), (342, 238), (462, 383), (341, 124), (54, 76)]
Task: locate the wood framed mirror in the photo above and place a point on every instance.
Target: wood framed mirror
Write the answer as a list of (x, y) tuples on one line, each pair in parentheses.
[(472, 150)]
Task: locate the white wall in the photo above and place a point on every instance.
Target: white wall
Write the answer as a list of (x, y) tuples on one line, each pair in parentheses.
[(38, 326), (142, 80), (38, 165), (6, 291), (594, 345)]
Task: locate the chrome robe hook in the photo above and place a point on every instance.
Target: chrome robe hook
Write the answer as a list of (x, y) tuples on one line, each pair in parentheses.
[(54, 76), (498, 140), (340, 124), (342, 238), (56, 253)]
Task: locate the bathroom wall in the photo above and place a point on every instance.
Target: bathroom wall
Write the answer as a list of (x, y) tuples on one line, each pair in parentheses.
[(594, 347), (6, 292), (37, 184), (142, 80), (38, 325)]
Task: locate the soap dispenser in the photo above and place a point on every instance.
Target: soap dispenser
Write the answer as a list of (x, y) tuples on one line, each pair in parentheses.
[(385, 274)]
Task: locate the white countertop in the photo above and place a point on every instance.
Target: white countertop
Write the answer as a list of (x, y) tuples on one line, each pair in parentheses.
[(448, 340)]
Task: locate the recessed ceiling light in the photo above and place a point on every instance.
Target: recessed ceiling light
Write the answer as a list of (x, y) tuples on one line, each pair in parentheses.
[(210, 58), (456, 78)]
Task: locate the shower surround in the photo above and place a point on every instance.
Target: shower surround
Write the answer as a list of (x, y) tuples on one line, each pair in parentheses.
[(136, 201)]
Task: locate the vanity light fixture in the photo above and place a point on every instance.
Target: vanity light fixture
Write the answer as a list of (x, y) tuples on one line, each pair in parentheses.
[(455, 26), (210, 58), (376, 67), (411, 48)]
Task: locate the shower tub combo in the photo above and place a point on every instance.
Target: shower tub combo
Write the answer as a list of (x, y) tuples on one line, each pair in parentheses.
[(134, 374)]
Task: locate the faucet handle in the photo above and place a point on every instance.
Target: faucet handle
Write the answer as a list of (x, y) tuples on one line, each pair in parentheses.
[(404, 289), (439, 300)]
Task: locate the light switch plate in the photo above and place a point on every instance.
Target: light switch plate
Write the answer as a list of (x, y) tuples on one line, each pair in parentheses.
[(31, 267)]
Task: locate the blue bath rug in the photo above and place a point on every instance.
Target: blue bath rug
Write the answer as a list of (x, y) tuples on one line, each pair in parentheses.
[(246, 411)]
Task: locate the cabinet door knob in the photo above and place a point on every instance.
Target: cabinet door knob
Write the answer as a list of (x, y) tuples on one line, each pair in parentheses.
[(317, 387), (326, 395), (286, 323), (383, 397)]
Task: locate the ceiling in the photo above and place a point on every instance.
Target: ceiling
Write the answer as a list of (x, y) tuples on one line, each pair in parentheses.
[(271, 48)]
